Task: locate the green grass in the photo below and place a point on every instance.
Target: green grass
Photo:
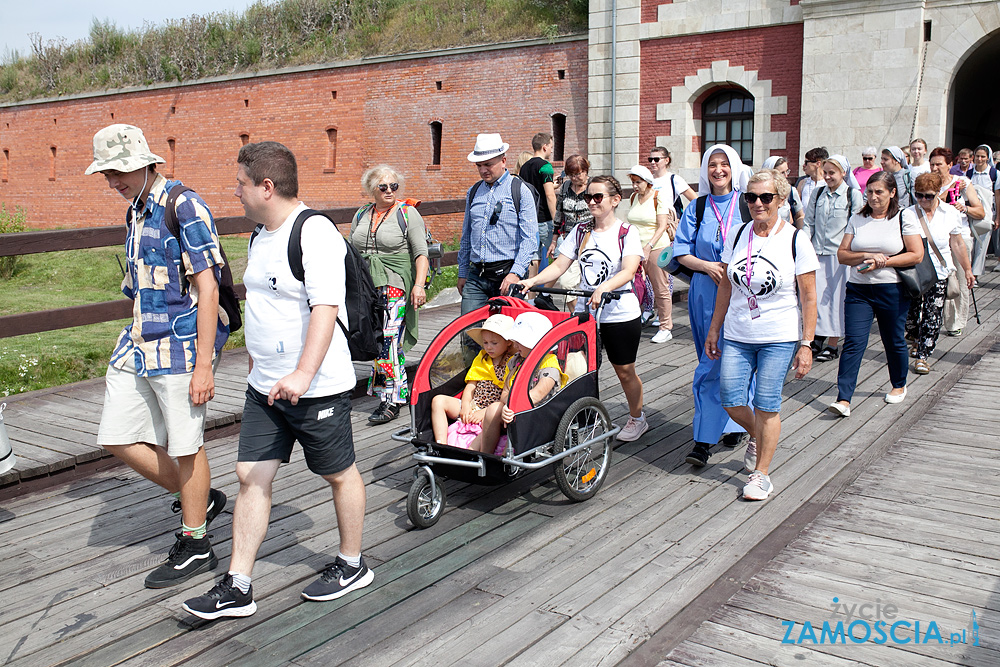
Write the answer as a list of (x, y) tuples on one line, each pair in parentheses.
[(274, 34), (77, 277)]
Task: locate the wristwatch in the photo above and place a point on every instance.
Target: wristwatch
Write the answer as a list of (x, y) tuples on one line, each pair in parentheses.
[(807, 343)]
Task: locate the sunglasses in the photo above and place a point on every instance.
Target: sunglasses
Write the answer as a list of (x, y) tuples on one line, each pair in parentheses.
[(867, 157), (382, 187), (926, 196), (597, 197), (655, 159), (765, 198)]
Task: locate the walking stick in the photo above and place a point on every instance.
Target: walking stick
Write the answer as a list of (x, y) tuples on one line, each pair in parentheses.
[(972, 290)]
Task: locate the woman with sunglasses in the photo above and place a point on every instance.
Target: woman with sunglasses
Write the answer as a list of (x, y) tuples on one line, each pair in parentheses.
[(609, 253), (571, 210), (868, 167), (656, 220), (390, 234), (698, 246), (767, 301), (942, 226), (879, 239)]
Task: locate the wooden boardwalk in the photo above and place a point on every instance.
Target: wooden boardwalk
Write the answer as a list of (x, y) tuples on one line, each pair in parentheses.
[(517, 574)]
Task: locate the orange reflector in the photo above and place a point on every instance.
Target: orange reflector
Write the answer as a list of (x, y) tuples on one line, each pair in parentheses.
[(589, 476)]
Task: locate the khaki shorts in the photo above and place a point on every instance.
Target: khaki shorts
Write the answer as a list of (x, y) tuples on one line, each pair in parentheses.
[(156, 410), (570, 279)]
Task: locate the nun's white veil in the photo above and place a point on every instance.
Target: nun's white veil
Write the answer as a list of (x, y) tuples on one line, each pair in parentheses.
[(741, 172)]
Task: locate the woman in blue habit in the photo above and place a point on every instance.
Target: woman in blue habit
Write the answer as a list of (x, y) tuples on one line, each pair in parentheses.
[(698, 246)]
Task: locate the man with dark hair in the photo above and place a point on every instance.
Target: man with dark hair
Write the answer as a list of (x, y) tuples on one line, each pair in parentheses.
[(813, 167), (500, 228), (300, 381), (539, 173), (161, 373), (963, 162)]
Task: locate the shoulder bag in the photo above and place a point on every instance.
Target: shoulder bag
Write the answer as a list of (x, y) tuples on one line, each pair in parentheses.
[(954, 288), (919, 278)]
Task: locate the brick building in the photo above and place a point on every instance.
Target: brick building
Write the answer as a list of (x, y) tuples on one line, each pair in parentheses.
[(419, 113)]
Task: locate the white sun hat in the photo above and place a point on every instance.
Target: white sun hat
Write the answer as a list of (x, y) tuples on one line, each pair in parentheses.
[(122, 148), (488, 146)]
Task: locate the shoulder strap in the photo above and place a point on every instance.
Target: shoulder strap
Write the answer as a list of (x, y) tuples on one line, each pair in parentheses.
[(295, 243), (515, 193), (699, 212), (673, 186), (402, 219), (253, 235), (622, 233), (970, 172), (814, 198), (472, 194), (739, 232), (927, 235), (795, 238), (993, 173), (170, 210), (744, 208), (361, 212)]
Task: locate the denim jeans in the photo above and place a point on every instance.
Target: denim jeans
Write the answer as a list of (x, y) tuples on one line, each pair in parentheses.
[(862, 303), (478, 291), (770, 361)]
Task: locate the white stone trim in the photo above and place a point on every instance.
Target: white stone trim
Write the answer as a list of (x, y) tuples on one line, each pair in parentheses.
[(683, 126)]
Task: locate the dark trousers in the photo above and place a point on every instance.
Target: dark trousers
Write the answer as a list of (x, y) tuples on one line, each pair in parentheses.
[(888, 306)]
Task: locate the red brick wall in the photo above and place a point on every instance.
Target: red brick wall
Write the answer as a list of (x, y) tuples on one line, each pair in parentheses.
[(381, 113), (774, 52)]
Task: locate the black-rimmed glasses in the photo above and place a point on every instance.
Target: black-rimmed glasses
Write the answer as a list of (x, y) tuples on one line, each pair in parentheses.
[(655, 159), (926, 196), (382, 187), (765, 198)]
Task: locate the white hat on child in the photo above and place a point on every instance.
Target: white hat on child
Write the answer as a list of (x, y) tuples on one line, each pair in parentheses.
[(529, 328), (498, 324)]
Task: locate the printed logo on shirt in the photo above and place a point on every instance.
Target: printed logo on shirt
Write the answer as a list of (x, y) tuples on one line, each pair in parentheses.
[(272, 281), (762, 268), (595, 265), (323, 414)]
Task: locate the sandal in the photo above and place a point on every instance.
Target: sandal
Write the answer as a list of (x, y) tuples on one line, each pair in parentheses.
[(385, 412), (920, 367)]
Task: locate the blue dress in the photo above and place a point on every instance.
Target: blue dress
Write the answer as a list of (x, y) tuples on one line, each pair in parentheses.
[(710, 418)]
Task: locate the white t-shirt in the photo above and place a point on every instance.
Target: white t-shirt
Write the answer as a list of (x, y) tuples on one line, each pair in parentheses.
[(773, 284), (915, 171), (277, 305), (601, 259), (946, 221), (667, 191), (882, 235)]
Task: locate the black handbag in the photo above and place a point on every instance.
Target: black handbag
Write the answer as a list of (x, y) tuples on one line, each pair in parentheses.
[(917, 279)]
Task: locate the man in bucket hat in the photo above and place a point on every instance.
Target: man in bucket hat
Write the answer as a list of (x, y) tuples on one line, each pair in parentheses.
[(500, 229), (161, 371)]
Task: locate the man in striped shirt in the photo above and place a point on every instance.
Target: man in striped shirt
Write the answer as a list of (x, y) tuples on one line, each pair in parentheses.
[(500, 229)]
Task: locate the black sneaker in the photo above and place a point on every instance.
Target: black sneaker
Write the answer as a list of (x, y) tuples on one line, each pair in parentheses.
[(338, 579), (699, 455), (223, 600), (385, 412), (216, 503), (188, 557), (735, 439)]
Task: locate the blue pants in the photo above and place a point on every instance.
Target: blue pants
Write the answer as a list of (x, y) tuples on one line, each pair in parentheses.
[(710, 419), (477, 292), (888, 305)]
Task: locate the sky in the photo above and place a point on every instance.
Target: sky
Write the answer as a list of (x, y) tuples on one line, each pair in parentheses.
[(72, 18)]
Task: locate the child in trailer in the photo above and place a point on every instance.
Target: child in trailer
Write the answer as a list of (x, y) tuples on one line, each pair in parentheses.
[(484, 384), (547, 380)]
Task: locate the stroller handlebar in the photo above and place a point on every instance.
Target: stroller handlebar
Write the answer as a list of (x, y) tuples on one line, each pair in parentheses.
[(516, 290)]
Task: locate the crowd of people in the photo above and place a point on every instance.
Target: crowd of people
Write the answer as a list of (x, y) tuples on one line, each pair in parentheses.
[(780, 275)]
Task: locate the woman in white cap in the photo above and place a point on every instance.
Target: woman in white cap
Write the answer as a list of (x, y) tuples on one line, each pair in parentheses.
[(609, 254), (701, 236), (827, 213), (894, 162), (791, 210), (656, 221), (868, 167)]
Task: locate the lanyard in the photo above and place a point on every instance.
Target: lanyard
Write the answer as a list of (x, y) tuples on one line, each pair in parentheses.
[(725, 225), (760, 252)]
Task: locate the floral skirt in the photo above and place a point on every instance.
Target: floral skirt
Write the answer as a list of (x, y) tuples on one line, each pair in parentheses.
[(388, 378)]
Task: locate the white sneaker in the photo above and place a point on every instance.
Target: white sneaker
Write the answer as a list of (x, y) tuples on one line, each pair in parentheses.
[(758, 487), (750, 456), (662, 336), (633, 429), (655, 322)]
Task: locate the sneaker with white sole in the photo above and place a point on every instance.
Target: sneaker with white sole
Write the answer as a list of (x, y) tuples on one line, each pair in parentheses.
[(633, 429), (750, 456), (758, 487), (189, 556), (224, 599), (337, 580), (662, 336)]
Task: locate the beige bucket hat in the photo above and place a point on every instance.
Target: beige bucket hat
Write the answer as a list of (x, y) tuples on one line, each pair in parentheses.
[(122, 148), (498, 324)]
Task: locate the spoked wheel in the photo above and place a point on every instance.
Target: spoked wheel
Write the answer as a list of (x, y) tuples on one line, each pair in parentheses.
[(581, 474), (422, 507)]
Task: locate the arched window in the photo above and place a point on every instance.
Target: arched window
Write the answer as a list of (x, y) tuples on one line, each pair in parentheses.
[(727, 118)]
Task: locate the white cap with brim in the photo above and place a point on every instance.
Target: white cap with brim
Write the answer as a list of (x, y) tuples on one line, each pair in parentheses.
[(498, 324), (642, 172), (529, 328), (121, 148), (488, 146)]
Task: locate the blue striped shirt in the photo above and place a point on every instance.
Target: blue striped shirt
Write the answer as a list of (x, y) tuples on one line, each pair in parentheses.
[(515, 236)]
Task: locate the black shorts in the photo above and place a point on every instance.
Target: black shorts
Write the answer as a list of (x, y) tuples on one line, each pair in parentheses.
[(322, 425), (621, 341)]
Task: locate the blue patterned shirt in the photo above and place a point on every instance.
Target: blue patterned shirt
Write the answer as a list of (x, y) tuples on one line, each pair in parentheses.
[(515, 236), (162, 337)]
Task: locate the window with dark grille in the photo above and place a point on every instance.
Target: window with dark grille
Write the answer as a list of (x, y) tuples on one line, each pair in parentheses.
[(727, 118)]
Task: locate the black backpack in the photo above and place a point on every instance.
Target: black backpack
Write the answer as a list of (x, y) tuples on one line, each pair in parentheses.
[(365, 314), (228, 301), (699, 209)]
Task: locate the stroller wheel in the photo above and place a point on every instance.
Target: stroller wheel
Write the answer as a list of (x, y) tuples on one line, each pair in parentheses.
[(423, 508), (581, 474)]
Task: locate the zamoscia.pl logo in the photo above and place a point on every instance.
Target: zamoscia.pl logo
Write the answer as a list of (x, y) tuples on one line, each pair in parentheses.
[(877, 623)]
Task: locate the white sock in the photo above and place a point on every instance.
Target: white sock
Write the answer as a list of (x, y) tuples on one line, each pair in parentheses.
[(353, 561), (241, 581), (640, 418)]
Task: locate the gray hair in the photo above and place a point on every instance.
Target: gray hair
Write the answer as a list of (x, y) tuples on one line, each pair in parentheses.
[(870, 150), (781, 185), (372, 177)]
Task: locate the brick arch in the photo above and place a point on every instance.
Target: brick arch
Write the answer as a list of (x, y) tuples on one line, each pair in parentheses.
[(684, 111)]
